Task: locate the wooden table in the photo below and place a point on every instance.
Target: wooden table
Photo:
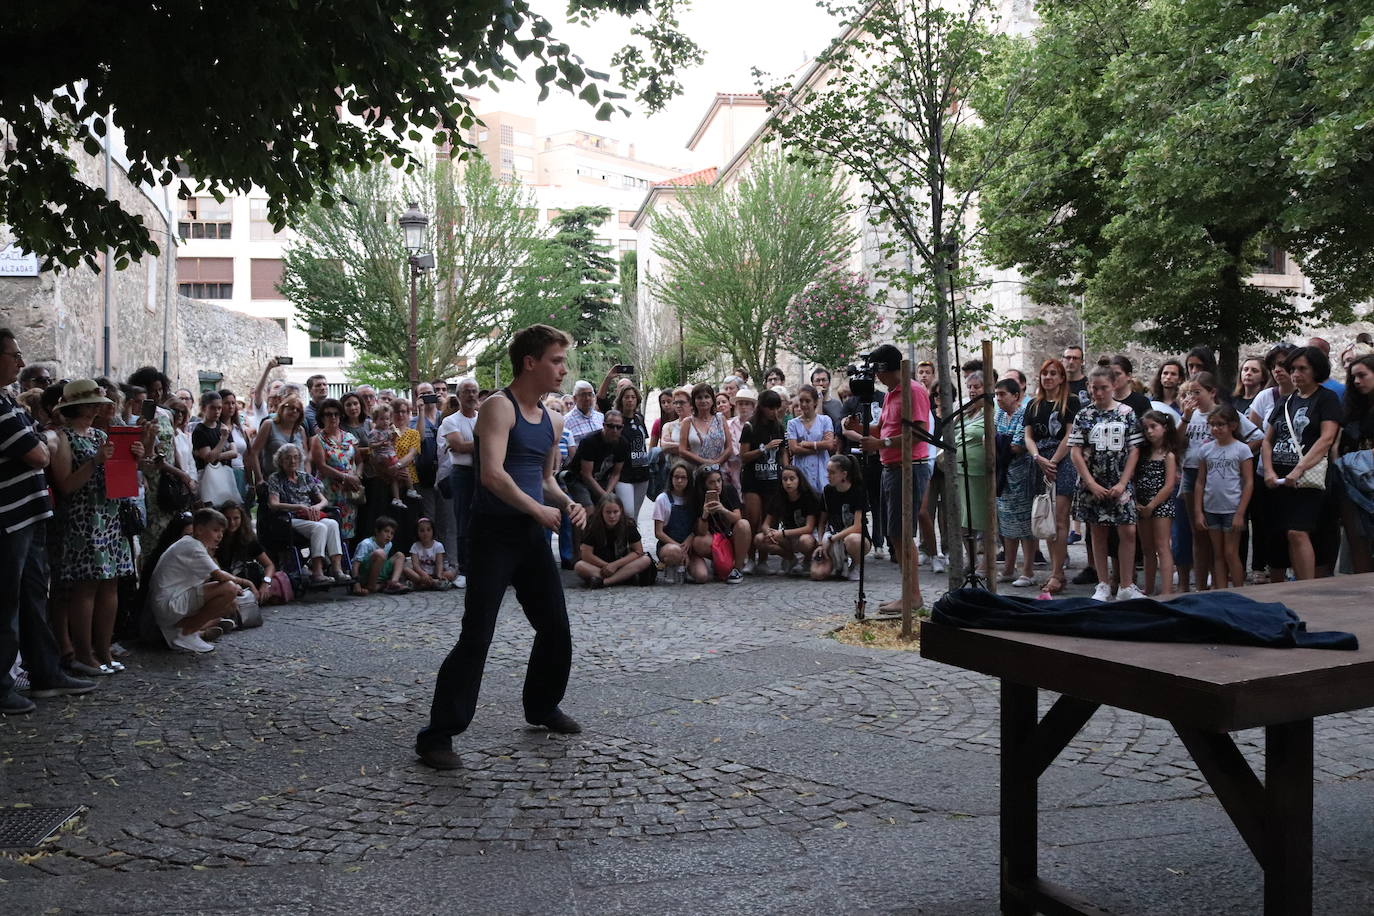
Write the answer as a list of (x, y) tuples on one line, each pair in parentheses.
[(1205, 692)]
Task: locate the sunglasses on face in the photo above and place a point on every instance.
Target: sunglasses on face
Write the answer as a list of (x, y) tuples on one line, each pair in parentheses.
[(614, 426)]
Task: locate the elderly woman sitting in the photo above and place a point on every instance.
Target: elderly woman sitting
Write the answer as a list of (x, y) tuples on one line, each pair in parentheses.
[(292, 490)]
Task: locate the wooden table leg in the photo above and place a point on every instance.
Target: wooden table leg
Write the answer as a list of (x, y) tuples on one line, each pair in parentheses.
[(1020, 802), (1288, 804)]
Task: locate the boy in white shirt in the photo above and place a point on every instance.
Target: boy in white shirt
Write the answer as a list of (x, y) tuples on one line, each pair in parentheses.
[(188, 591)]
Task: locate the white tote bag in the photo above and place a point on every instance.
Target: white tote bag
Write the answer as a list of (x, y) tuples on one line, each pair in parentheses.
[(218, 485), (1042, 516)]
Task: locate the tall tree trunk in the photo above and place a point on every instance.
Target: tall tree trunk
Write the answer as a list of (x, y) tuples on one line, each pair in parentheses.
[(1232, 296), (953, 508)]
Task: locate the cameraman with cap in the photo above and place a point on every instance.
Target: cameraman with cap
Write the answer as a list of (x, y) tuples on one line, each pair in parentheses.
[(887, 364)]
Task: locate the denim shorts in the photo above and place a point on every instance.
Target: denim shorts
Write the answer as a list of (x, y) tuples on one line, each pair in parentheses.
[(892, 496), (1218, 521)]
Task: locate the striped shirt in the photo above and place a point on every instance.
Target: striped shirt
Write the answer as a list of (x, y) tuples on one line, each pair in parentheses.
[(23, 489)]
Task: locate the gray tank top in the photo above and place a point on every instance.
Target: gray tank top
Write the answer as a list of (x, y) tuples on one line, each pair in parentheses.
[(275, 440), (527, 450)]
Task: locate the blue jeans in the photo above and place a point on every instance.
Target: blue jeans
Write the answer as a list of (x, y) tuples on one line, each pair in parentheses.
[(23, 607), (461, 483)]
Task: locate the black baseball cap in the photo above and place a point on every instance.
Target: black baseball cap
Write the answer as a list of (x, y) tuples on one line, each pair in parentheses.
[(886, 358)]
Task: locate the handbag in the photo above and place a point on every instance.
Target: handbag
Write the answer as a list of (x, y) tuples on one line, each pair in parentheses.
[(132, 521), (218, 485), (173, 496), (249, 614), (1042, 516), (279, 591), (1314, 478), (722, 555)]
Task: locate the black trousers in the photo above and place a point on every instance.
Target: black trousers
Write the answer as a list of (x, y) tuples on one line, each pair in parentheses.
[(504, 551)]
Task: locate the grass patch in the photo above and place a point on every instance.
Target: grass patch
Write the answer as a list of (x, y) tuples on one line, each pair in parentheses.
[(877, 634)]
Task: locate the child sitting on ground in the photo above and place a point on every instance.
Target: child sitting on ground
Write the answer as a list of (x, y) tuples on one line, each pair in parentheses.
[(375, 562), (427, 559), (612, 550), (381, 443)]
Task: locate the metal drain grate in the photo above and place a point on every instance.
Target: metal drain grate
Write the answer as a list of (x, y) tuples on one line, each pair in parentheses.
[(24, 828)]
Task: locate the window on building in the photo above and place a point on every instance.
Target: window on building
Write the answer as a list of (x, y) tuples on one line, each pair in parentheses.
[(605, 243), (628, 245), (507, 135), (524, 163), (206, 290), (259, 225), (205, 218), (266, 277), (206, 278), (281, 323), (322, 348), (1273, 260), (626, 217), (630, 181)]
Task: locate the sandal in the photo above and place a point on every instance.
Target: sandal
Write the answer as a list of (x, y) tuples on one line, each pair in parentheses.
[(1053, 585)]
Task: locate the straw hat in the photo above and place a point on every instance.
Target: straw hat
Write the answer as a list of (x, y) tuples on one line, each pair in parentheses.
[(82, 391), (747, 394)]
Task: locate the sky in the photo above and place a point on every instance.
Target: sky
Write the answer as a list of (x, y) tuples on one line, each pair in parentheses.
[(777, 36)]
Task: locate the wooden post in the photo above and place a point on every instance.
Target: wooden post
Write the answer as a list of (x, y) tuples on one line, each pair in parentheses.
[(908, 555), (990, 538)]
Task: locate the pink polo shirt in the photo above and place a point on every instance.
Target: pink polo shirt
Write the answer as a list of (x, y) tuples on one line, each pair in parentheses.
[(890, 424)]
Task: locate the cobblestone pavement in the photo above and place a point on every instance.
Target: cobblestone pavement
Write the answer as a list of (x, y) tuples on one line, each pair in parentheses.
[(735, 758)]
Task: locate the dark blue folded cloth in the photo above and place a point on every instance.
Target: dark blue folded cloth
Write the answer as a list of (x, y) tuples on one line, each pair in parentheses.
[(1209, 617)]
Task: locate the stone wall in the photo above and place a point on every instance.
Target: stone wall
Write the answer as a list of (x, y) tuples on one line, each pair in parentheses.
[(233, 344), (60, 317)]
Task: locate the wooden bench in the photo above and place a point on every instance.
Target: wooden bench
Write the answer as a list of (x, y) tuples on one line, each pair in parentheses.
[(1205, 692)]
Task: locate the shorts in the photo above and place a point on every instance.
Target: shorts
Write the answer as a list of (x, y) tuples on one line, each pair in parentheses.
[(169, 614), (365, 568), (1218, 521), (892, 495), (766, 489)]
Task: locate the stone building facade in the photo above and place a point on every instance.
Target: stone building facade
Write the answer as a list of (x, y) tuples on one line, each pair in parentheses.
[(85, 322)]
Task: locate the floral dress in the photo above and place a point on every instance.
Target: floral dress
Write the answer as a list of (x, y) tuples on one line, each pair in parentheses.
[(93, 543), (1107, 438), (710, 446), (1014, 502), (341, 455)]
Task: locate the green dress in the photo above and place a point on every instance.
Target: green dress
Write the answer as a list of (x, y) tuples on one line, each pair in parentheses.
[(94, 547), (968, 445)]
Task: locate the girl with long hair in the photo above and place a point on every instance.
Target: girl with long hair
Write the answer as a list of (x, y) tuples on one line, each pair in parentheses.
[(612, 549), (762, 458), (633, 485), (1252, 379), (241, 554), (789, 528), (673, 526), (842, 540), (810, 437), (1155, 483), (1049, 416), (1168, 377), (703, 439), (717, 509)]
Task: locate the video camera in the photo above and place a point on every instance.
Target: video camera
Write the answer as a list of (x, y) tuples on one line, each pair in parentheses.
[(862, 376)]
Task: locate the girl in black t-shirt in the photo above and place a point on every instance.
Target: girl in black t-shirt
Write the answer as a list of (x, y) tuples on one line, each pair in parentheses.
[(789, 529), (240, 553), (842, 541), (1357, 435), (612, 550), (763, 454), (717, 509)]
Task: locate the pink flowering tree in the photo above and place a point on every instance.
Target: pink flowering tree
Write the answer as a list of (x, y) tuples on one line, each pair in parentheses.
[(831, 320)]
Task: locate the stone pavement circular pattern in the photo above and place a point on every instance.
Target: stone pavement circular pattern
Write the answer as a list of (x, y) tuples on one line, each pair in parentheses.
[(290, 745)]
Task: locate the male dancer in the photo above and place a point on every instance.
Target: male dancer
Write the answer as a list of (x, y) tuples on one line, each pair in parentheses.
[(515, 459)]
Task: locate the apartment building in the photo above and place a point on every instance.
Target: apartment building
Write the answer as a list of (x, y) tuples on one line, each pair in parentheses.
[(232, 256)]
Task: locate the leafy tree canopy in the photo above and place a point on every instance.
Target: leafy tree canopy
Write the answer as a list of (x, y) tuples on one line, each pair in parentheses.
[(249, 94), (1165, 143), (349, 274), (732, 258)]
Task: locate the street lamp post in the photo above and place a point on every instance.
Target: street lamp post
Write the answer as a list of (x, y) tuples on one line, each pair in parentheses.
[(413, 223)]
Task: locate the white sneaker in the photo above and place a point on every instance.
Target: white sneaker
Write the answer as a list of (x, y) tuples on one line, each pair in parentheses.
[(879, 552), (461, 581), (922, 559), (748, 568), (853, 575), (191, 643), (938, 563), (1127, 592), (1103, 592)]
